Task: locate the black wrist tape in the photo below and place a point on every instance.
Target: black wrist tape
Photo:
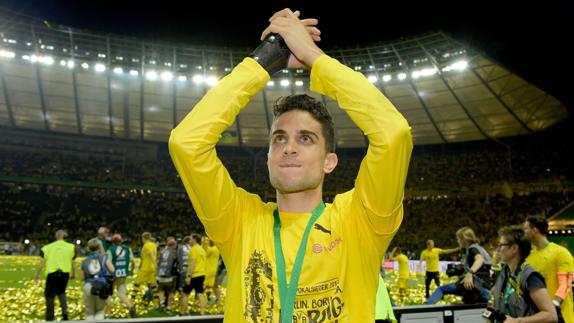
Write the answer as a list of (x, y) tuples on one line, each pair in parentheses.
[(272, 54)]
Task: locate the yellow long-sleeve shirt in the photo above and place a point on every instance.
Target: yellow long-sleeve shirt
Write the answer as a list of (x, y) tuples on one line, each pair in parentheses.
[(340, 272)]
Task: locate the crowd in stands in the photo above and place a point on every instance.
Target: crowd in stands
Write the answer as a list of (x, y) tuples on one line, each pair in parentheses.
[(474, 182)]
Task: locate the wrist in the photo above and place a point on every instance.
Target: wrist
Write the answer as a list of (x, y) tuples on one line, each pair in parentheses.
[(556, 302)]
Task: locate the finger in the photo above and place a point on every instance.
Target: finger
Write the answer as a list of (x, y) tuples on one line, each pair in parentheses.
[(316, 38), (314, 31), (310, 22), (297, 13), (282, 13)]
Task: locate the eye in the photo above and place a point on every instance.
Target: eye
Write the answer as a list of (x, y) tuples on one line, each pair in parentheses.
[(306, 139), (279, 139)]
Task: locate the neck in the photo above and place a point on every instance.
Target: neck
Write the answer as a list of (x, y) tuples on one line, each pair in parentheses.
[(512, 264), (299, 202), (540, 242)]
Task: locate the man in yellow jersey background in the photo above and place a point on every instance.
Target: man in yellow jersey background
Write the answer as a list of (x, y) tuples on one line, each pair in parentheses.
[(211, 264), (431, 256), (554, 263), (195, 274), (335, 276), (403, 276), (148, 267)]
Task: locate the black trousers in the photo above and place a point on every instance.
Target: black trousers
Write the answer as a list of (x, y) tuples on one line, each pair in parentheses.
[(56, 283), (428, 279)]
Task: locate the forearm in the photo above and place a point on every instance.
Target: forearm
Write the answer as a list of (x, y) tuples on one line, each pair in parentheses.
[(40, 267), (540, 317), (564, 283)]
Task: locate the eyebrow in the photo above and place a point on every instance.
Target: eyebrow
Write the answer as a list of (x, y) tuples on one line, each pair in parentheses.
[(300, 132)]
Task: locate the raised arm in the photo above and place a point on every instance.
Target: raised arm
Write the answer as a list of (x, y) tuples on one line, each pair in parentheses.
[(192, 148)]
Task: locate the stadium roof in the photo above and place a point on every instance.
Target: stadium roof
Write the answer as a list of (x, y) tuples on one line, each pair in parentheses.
[(60, 79)]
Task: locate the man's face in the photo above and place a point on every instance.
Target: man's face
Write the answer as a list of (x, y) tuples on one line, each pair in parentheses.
[(430, 244), (297, 159), (528, 230)]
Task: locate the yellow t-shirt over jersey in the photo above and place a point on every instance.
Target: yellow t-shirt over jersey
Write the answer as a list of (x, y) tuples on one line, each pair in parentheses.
[(147, 262), (197, 253), (340, 272), (431, 258), (58, 256), (403, 266), (548, 261)]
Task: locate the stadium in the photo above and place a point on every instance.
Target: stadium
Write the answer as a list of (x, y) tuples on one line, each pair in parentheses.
[(85, 119)]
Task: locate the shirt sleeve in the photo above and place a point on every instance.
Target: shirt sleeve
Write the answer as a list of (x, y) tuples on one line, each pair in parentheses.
[(565, 263), (215, 197), (381, 179), (534, 281)]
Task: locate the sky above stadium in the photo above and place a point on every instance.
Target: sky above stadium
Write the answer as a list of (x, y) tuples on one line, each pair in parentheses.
[(530, 39)]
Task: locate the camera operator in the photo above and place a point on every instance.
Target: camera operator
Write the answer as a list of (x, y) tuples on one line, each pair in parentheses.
[(520, 293), (474, 286), (97, 285)]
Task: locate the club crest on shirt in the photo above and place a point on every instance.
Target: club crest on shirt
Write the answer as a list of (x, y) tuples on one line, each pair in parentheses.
[(258, 280)]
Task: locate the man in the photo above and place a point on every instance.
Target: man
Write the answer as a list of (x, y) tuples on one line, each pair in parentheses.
[(103, 236), (95, 270), (211, 265), (403, 261), (123, 261), (430, 256), (58, 258), (148, 267), (339, 276), (553, 262), (195, 275), (167, 273), (182, 259)]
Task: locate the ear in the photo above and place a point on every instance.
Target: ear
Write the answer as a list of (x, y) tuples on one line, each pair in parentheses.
[(331, 161)]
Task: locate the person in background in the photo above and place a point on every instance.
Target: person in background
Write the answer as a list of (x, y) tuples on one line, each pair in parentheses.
[(58, 260)]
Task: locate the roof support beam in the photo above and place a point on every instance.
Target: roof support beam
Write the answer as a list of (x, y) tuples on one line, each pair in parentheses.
[(456, 97), (6, 97), (413, 85), (39, 81)]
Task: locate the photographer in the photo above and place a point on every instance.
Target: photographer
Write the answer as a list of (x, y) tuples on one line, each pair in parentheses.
[(520, 293), (97, 285), (475, 284)]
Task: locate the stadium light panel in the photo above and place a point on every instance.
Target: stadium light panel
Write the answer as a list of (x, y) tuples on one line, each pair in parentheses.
[(372, 78), (166, 76), (415, 74), (48, 60), (460, 65), (182, 78), (99, 67), (134, 73), (211, 80), (151, 75), (271, 83), (402, 76), (298, 83), (7, 54), (85, 65), (118, 70), (197, 79), (284, 83), (63, 62), (387, 78), (428, 72)]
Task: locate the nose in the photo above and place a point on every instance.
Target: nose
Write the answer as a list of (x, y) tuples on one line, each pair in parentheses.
[(290, 148)]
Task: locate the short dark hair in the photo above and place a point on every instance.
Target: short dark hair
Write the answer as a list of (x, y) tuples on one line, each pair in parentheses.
[(538, 222), (316, 108), (196, 237), (514, 234)]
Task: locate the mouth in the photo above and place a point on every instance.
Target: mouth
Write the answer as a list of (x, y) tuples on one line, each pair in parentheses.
[(289, 166)]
